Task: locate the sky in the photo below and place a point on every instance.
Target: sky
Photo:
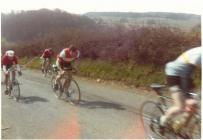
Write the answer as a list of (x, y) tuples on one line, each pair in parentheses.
[(83, 6)]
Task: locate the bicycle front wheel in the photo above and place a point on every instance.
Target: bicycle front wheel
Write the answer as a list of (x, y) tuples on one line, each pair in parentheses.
[(73, 92), (15, 90)]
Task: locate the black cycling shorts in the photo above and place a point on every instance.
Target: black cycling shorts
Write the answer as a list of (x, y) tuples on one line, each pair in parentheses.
[(185, 84), (64, 64)]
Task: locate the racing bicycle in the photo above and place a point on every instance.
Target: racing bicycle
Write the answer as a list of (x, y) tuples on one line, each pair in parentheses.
[(13, 85), (187, 125), (72, 93)]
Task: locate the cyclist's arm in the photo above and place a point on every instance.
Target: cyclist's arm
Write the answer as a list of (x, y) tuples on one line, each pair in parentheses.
[(42, 56), (16, 63), (4, 69), (4, 63), (75, 62)]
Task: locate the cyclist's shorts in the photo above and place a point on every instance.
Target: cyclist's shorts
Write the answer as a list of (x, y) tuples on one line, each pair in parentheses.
[(64, 64), (177, 83), (8, 66)]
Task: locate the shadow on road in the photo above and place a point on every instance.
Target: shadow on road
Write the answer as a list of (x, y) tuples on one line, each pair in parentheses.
[(32, 99), (100, 104)]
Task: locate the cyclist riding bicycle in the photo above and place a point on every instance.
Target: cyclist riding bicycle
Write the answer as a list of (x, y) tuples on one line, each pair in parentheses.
[(47, 54), (64, 61), (179, 79), (8, 60)]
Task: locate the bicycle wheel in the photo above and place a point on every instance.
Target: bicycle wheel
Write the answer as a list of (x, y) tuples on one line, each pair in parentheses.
[(73, 92), (194, 129), (150, 112), (15, 91), (58, 93)]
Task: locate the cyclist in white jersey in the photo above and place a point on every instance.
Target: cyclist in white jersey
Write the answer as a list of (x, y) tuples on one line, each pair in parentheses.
[(179, 79)]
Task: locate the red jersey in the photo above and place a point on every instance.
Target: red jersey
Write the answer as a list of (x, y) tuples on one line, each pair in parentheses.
[(47, 53), (66, 56), (8, 62)]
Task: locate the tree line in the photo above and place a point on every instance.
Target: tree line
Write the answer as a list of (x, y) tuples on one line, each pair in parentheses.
[(33, 31)]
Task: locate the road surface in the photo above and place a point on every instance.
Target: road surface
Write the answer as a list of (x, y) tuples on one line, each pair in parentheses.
[(106, 111)]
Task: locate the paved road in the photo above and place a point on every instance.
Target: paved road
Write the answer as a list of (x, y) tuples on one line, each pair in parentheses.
[(106, 111)]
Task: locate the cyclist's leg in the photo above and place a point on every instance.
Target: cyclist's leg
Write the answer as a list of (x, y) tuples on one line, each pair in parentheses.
[(13, 75), (43, 63), (68, 80), (69, 73), (7, 76), (49, 61), (187, 86), (59, 75), (178, 97)]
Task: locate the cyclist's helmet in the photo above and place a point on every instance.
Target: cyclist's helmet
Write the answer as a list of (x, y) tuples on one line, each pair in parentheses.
[(10, 53)]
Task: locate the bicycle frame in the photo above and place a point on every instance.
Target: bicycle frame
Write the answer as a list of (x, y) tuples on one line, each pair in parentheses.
[(47, 65), (12, 75), (191, 110), (67, 76)]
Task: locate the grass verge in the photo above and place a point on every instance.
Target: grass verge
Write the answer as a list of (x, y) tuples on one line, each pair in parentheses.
[(136, 75)]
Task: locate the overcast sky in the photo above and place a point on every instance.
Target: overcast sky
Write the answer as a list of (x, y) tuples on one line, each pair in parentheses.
[(83, 6)]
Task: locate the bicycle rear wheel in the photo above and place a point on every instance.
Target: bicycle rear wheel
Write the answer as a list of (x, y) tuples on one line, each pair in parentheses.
[(194, 128), (150, 112), (73, 92), (15, 90)]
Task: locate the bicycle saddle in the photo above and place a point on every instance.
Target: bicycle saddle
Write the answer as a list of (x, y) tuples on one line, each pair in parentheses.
[(157, 86)]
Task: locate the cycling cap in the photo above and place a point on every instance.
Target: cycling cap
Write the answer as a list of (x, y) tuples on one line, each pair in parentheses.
[(10, 53)]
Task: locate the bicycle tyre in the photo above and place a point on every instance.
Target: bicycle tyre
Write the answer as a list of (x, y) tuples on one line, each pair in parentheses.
[(16, 90), (74, 92)]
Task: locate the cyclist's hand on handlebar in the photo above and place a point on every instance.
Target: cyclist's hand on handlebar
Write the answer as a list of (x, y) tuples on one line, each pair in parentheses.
[(19, 73)]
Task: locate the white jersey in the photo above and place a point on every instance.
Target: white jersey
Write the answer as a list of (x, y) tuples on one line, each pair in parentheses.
[(65, 55), (185, 64)]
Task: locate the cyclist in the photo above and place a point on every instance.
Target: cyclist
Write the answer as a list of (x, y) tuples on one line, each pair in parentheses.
[(64, 60), (8, 60), (47, 54), (179, 79)]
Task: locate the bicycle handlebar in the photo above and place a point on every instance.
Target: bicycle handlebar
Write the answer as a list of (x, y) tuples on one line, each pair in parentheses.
[(67, 69), (12, 69)]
